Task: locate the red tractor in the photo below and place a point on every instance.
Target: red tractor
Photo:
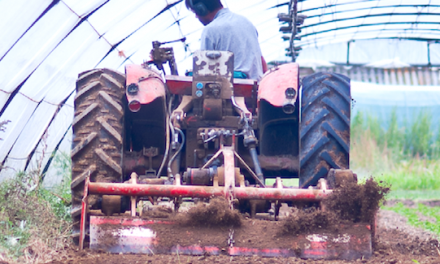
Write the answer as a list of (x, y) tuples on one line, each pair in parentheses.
[(206, 135)]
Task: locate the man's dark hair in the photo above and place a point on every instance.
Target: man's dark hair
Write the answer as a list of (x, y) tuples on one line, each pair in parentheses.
[(211, 5)]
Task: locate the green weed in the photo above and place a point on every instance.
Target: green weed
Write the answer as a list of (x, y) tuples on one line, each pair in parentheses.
[(3, 126), (407, 141), (34, 222), (415, 174), (59, 196), (414, 194), (419, 140), (413, 216), (406, 157), (286, 182)]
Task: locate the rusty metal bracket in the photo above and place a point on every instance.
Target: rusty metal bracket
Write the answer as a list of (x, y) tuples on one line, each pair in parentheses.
[(250, 170), (133, 198), (150, 153)]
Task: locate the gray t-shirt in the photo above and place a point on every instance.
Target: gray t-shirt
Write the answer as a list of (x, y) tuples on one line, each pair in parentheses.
[(232, 32)]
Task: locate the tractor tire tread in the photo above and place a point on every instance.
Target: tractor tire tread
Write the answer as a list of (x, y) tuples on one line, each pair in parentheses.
[(98, 133), (325, 126)]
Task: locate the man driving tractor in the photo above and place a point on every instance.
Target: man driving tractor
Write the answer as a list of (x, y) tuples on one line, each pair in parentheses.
[(227, 31)]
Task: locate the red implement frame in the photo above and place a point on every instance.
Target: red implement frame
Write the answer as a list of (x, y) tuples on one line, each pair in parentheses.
[(137, 235), (283, 194), (84, 207), (229, 191)]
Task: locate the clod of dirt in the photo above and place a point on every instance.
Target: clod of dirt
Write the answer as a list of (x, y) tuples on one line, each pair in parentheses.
[(161, 211), (349, 203), (216, 213), (111, 204), (356, 202), (311, 219)]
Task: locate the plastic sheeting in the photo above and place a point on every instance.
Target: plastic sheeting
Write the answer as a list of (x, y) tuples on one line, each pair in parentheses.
[(375, 29), (408, 102), (330, 21), (45, 44), (32, 49), (55, 173), (21, 14), (370, 51), (54, 138)]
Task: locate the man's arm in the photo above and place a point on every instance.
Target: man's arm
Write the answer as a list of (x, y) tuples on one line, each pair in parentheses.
[(263, 62)]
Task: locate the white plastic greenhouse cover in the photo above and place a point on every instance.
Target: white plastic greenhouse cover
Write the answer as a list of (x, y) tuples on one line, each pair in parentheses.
[(44, 44)]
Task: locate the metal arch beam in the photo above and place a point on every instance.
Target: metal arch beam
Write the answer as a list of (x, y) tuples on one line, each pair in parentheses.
[(398, 28), (327, 21), (320, 12), (338, 3), (376, 2), (381, 22), (349, 2), (280, 5), (334, 41), (385, 36), (367, 25), (167, 7), (357, 35)]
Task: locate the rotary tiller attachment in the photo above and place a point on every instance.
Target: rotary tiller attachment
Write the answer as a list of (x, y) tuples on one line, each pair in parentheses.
[(136, 234)]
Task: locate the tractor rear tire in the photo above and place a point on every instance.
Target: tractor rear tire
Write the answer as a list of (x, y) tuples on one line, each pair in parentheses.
[(325, 126), (97, 135)]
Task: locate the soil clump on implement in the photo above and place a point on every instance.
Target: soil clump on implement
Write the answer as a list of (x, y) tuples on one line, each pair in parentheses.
[(161, 211), (303, 221), (203, 224), (349, 204), (357, 203), (215, 214), (351, 208)]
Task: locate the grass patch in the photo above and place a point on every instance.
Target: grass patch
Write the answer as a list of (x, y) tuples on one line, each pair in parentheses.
[(407, 158), (286, 182), (398, 142), (413, 216), (59, 196), (34, 222), (414, 195), (415, 174)]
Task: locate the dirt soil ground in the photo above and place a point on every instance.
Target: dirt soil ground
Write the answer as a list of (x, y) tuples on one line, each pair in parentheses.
[(396, 242)]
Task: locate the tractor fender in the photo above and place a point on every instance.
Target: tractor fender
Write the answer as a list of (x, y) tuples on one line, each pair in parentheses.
[(280, 85), (143, 85)]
